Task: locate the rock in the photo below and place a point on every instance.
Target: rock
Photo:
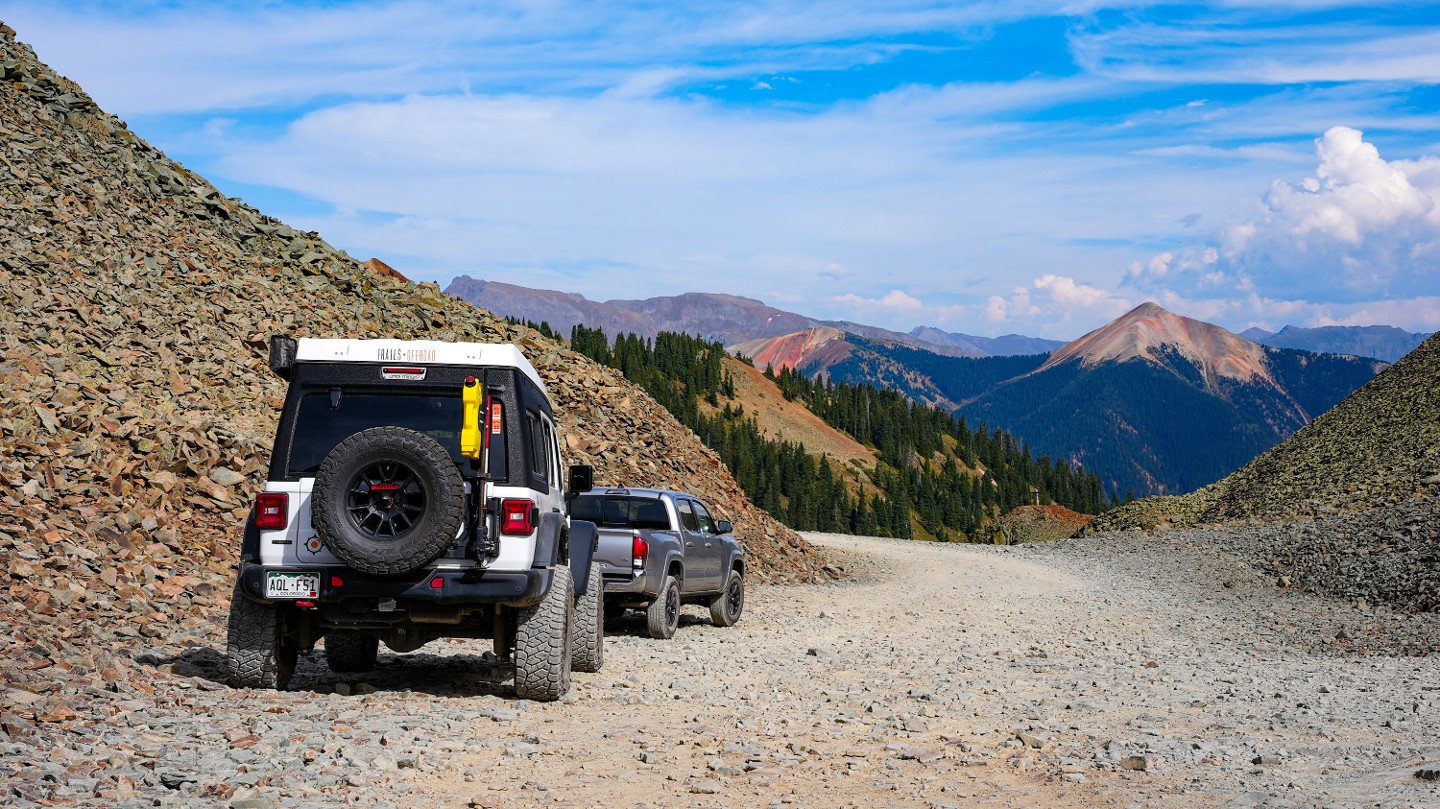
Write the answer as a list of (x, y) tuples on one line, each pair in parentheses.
[(226, 477), (1135, 763)]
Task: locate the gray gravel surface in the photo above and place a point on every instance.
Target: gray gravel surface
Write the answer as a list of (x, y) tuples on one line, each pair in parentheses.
[(1123, 670)]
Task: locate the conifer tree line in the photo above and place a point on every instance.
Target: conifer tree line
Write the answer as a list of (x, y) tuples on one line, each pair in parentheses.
[(947, 498)]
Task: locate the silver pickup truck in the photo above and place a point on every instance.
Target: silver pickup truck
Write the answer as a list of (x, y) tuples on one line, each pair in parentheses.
[(660, 548)]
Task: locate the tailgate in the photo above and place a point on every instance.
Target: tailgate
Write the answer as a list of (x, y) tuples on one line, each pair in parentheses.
[(614, 551)]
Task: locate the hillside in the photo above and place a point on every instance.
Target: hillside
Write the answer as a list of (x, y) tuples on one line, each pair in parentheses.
[(137, 301), (782, 419), (1159, 403), (1380, 446), (1350, 499)]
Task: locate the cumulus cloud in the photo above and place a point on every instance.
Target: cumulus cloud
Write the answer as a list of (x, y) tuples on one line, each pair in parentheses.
[(1361, 229), (895, 300), (1055, 306)]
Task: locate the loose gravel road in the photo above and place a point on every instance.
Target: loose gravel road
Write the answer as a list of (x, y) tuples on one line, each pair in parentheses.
[(1118, 671)]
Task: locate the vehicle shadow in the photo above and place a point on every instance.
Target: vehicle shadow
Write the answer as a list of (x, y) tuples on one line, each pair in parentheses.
[(632, 624), (461, 674)]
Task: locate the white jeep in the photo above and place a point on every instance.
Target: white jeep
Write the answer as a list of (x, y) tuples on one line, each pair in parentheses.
[(415, 493)]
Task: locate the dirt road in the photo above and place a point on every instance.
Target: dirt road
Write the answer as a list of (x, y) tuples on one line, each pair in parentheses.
[(1124, 672)]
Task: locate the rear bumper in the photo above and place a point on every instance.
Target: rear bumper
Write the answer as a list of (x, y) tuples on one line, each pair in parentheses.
[(638, 585), (516, 588)]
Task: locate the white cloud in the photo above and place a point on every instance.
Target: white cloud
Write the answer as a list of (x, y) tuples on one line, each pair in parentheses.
[(1360, 229), (1055, 306), (895, 299)]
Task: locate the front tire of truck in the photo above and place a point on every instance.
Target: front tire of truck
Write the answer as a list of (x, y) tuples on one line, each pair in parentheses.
[(725, 608), (663, 614), (260, 652), (588, 640), (543, 642)]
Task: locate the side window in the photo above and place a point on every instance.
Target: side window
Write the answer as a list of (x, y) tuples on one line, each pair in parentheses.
[(551, 443), (687, 516), (539, 448), (707, 525)]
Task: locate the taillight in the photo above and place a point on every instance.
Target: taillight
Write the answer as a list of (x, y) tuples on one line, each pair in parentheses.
[(270, 510), (517, 516), (639, 549)]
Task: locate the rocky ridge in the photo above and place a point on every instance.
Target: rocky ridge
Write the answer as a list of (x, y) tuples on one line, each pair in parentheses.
[(137, 305), (1347, 503)]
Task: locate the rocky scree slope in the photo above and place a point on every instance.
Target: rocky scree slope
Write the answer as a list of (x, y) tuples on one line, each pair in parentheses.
[(1348, 501), (138, 413)]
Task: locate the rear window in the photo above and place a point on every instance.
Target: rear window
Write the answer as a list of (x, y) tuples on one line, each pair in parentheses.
[(321, 422), (621, 512)]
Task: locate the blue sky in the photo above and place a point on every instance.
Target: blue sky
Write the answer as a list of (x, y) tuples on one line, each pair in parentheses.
[(1033, 167)]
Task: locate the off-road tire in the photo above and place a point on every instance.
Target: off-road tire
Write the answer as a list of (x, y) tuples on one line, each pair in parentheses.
[(663, 614), (259, 651), (351, 651), (725, 608), (388, 532), (542, 641), (587, 641)]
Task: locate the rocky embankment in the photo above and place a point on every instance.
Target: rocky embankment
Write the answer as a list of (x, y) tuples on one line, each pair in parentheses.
[(137, 301), (1123, 670)]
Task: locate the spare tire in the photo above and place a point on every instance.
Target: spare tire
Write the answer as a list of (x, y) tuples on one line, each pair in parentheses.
[(388, 500)]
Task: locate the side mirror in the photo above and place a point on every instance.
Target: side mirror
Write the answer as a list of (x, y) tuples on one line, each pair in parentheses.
[(580, 480), (723, 527), (282, 355)]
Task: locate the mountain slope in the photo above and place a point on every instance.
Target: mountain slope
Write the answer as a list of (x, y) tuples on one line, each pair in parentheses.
[(1002, 346), (1380, 446), (137, 301), (1381, 342), (1160, 403)]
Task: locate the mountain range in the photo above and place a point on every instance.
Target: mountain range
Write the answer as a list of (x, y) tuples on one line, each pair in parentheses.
[(1381, 342), (1154, 402), (730, 319)]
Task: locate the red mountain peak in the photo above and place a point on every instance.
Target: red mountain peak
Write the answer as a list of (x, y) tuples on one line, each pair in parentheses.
[(1149, 330)]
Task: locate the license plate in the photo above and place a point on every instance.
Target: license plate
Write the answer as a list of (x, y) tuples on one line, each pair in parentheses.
[(292, 585)]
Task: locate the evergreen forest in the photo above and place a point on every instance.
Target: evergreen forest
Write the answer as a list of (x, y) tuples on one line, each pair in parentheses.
[(937, 476)]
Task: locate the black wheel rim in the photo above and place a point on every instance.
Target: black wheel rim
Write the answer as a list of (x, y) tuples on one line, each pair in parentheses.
[(386, 500), (735, 597), (672, 607)]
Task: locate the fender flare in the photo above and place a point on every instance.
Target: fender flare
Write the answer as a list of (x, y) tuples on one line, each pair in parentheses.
[(548, 539)]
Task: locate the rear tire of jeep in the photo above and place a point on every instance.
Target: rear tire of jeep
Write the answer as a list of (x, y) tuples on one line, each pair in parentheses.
[(725, 608), (351, 651), (588, 639), (388, 500), (259, 651), (663, 614), (542, 641)]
